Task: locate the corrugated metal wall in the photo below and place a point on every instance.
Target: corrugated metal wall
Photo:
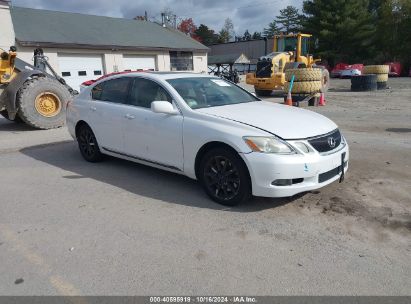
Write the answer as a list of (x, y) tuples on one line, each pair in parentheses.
[(253, 49)]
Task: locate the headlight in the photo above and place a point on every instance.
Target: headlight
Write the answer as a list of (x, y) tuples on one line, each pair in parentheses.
[(268, 145)]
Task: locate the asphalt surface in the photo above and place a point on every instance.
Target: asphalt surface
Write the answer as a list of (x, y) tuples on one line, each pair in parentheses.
[(68, 227)]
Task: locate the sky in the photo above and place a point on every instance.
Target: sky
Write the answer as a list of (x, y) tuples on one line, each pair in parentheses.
[(252, 15)]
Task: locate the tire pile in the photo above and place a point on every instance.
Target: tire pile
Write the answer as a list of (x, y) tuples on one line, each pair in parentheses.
[(374, 77), (306, 81)]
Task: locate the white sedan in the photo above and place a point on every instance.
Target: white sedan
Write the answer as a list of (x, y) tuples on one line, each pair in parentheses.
[(208, 129)]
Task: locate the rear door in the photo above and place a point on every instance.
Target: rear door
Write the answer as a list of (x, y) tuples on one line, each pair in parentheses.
[(107, 113)]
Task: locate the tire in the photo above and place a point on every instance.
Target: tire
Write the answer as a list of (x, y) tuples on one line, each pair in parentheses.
[(364, 83), (382, 77), (29, 103), (325, 80), (88, 145), (376, 69), (221, 186), (381, 85), (304, 74), (304, 87), (262, 92)]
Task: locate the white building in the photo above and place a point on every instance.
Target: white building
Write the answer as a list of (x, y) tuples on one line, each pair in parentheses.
[(83, 47)]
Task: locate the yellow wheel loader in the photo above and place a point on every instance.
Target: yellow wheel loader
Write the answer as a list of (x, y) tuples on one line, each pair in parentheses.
[(29, 94), (290, 52)]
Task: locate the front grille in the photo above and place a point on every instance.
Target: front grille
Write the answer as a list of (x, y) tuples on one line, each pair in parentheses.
[(326, 142), (323, 177), (263, 69)]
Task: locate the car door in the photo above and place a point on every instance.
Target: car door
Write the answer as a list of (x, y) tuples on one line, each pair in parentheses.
[(153, 137), (107, 113)]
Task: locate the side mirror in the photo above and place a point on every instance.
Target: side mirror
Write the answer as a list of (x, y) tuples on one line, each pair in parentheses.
[(163, 107)]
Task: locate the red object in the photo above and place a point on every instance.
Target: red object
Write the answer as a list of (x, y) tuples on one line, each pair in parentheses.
[(395, 69), (90, 82), (339, 67), (336, 71), (322, 100)]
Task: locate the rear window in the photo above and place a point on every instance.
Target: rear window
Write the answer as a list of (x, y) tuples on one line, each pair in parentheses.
[(114, 90)]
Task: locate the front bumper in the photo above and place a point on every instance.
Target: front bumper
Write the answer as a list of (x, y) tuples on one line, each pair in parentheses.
[(307, 171)]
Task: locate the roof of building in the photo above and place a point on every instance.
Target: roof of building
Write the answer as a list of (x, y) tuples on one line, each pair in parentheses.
[(228, 59), (34, 27)]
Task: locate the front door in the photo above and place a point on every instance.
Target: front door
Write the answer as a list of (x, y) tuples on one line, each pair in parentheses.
[(153, 137)]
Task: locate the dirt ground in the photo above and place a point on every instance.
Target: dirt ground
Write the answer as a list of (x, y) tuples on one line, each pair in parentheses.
[(374, 202)]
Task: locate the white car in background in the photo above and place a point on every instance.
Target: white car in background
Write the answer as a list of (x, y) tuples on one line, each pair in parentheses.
[(208, 129)]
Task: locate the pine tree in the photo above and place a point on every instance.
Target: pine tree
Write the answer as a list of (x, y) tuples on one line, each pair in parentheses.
[(344, 29), (271, 30), (206, 34), (247, 35), (256, 35), (289, 20)]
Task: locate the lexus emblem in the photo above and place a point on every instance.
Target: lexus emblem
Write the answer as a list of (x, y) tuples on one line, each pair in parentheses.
[(331, 142)]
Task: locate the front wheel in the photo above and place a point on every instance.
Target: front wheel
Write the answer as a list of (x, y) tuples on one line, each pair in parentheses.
[(225, 177), (88, 145)]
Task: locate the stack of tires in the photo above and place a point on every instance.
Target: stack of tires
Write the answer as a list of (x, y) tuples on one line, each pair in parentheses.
[(364, 83), (381, 72), (307, 80)]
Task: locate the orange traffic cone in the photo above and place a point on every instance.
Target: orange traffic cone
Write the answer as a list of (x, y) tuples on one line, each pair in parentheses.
[(289, 101), (322, 100)]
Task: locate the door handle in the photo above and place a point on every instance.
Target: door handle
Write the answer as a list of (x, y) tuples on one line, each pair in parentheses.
[(129, 116), (93, 108)]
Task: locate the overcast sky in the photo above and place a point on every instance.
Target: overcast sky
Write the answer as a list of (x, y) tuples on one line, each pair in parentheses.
[(251, 15)]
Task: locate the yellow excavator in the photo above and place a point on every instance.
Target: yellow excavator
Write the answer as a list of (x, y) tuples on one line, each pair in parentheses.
[(290, 52), (32, 94)]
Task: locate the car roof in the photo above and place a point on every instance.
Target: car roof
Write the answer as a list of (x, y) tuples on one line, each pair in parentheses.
[(166, 75)]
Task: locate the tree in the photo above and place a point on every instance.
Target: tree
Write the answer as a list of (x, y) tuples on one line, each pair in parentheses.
[(344, 29), (256, 35), (223, 36), (247, 35), (271, 30), (227, 32), (206, 35), (188, 27), (289, 19), (393, 26)]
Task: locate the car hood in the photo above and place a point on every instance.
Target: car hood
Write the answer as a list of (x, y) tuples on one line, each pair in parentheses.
[(284, 121)]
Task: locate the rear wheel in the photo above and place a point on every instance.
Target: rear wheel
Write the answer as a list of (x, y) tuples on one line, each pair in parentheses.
[(88, 145), (224, 177)]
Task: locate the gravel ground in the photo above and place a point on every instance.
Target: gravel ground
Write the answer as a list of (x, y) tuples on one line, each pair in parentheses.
[(118, 228)]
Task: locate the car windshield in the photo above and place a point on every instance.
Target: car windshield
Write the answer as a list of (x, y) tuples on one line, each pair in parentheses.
[(204, 92)]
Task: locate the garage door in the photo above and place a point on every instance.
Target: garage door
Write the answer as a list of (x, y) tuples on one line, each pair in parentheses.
[(134, 63), (77, 68)]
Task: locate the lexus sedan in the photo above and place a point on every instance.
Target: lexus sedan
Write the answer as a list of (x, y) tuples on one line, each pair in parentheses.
[(211, 130)]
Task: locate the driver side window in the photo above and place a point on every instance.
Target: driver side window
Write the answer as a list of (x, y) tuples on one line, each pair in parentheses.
[(143, 92)]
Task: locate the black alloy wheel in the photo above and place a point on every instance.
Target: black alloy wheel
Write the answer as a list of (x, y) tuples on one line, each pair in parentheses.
[(225, 177), (88, 144)]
